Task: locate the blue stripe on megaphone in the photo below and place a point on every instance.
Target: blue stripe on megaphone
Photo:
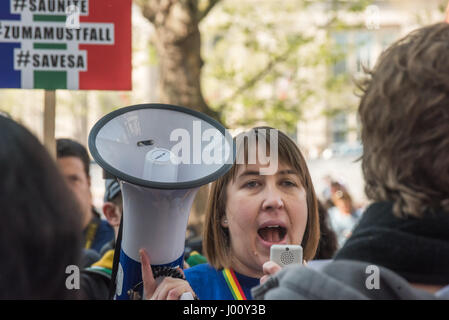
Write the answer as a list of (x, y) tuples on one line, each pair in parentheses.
[(129, 274)]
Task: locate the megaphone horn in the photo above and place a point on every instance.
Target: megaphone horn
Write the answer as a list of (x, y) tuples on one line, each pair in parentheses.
[(161, 154)]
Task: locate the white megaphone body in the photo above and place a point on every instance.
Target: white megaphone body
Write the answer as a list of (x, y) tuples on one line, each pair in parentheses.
[(161, 154)]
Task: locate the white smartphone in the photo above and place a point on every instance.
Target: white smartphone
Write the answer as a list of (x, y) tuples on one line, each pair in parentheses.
[(285, 254)]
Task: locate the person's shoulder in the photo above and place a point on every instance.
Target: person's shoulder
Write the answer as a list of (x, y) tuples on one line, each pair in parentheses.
[(201, 272), (94, 285), (200, 269), (89, 256), (108, 246), (334, 216), (332, 211), (104, 233), (195, 258), (207, 282), (105, 226)]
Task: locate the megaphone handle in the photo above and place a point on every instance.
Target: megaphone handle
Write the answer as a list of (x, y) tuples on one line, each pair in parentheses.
[(184, 296), (161, 272), (166, 272)]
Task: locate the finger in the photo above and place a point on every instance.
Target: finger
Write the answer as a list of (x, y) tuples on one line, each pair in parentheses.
[(264, 279), (157, 292), (168, 284), (149, 284), (163, 288), (270, 267), (173, 294)]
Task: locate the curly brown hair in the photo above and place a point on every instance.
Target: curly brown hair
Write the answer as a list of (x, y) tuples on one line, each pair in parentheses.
[(404, 113)]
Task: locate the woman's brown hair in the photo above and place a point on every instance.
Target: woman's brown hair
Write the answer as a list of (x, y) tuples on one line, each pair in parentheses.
[(216, 241), (405, 124)]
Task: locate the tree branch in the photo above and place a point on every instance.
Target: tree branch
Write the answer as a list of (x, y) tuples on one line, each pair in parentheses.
[(205, 11), (260, 75), (152, 8), (148, 8)]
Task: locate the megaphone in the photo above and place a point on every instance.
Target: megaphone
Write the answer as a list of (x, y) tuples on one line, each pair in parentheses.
[(161, 154)]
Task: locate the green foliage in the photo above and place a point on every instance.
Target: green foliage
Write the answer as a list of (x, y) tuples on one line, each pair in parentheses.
[(442, 6), (265, 64), (357, 6), (152, 54)]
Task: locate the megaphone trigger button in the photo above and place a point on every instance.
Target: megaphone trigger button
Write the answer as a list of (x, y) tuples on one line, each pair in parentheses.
[(142, 143)]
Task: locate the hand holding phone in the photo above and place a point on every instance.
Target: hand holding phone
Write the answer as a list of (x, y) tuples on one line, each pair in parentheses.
[(286, 254)]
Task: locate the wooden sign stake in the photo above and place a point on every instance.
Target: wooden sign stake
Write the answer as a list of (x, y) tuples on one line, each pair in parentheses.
[(49, 122)]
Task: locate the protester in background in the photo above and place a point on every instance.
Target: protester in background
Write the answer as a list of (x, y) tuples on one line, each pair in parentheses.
[(326, 193), (40, 233), (328, 245), (405, 161), (343, 216), (404, 234), (193, 247), (247, 213), (96, 279), (192, 252), (73, 161)]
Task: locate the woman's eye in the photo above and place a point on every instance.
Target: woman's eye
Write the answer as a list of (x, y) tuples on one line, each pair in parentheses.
[(288, 183), (251, 184)]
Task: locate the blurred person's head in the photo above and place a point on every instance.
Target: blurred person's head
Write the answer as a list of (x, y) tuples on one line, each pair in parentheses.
[(40, 233), (341, 198), (73, 161), (405, 124), (113, 204), (248, 211)]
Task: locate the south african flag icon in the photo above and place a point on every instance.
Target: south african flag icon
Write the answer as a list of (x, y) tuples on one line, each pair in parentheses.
[(42, 48)]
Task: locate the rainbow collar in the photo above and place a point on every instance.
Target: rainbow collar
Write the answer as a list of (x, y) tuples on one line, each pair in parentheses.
[(233, 284)]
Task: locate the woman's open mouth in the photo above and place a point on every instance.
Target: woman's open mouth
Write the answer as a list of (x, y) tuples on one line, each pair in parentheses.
[(272, 234)]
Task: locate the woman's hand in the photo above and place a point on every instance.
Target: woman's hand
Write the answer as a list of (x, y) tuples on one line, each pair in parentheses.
[(269, 268), (169, 289)]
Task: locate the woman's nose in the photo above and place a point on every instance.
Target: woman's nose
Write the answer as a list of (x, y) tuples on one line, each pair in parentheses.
[(273, 199)]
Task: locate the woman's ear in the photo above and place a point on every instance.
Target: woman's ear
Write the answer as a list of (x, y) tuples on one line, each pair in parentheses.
[(224, 222), (112, 214)]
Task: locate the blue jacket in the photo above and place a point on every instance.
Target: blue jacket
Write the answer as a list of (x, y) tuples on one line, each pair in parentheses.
[(210, 284)]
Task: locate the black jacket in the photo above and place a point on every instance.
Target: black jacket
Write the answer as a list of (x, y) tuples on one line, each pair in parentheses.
[(416, 249), (95, 283)]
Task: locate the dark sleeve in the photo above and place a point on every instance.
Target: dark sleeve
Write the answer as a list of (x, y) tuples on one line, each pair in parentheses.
[(89, 257), (104, 234), (94, 286)]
